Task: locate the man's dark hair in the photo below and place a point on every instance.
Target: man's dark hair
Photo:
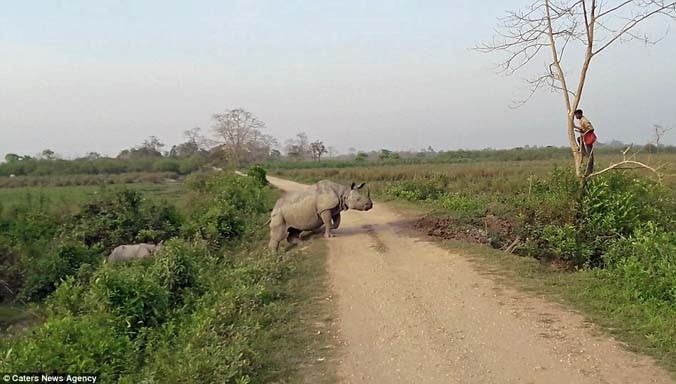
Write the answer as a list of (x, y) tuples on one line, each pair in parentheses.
[(579, 111)]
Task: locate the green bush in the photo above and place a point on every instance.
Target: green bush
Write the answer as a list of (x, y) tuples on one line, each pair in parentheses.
[(73, 345), (44, 274), (175, 267), (191, 164), (216, 225), (68, 298), (129, 292), (220, 340), (204, 349), (464, 205), (361, 157), (615, 206), (646, 262), (259, 174), (31, 224), (11, 274), (561, 242), (230, 207), (431, 187), (167, 165), (243, 193), (126, 217)]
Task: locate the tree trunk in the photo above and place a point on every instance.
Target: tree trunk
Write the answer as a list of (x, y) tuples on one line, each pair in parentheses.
[(574, 147)]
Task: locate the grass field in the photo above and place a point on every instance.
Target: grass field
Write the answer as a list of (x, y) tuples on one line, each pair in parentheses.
[(480, 175), (69, 198)]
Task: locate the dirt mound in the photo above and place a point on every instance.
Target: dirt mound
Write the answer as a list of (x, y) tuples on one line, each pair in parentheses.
[(493, 231), (448, 229)]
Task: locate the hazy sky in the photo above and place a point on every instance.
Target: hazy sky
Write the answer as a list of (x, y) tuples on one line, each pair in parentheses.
[(79, 76)]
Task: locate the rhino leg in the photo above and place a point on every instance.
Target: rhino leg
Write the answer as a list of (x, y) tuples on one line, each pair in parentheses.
[(294, 236), (336, 220), (326, 218), (278, 231)]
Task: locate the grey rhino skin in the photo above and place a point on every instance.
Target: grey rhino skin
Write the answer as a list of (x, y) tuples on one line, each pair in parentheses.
[(133, 252), (309, 209)]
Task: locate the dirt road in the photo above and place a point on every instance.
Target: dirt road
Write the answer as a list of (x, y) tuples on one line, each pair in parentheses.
[(411, 312)]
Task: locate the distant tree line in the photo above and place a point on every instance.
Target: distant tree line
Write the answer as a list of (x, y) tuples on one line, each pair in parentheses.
[(238, 139)]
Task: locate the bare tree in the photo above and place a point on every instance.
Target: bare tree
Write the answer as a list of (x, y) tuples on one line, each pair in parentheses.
[(153, 144), (318, 149), (331, 152), (561, 26), (261, 147), (660, 131), (197, 138), (238, 132), (196, 144), (298, 147)]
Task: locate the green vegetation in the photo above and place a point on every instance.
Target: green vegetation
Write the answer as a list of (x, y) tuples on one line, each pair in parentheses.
[(259, 174), (609, 250), (88, 180), (70, 198), (212, 306), (140, 163)]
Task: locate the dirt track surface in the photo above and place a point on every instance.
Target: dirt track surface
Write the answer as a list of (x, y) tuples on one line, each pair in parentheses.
[(411, 312)]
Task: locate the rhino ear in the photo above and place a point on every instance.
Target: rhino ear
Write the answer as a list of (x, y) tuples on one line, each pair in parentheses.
[(361, 186), (352, 186)]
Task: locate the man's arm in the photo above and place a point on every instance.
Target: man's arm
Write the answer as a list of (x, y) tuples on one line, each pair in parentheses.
[(578, 129)]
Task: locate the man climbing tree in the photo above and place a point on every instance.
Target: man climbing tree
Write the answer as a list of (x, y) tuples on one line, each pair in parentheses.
[(586, 140), (573, 33)]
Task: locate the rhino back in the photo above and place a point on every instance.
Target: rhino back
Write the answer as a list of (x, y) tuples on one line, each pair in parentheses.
[(328, 195), (299, 210), (329, 187), (116, 254), (130, 252)]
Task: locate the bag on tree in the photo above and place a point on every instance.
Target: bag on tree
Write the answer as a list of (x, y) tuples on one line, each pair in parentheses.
[(589, 138)]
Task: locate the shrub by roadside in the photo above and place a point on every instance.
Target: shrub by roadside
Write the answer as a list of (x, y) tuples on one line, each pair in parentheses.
[(203, 309)]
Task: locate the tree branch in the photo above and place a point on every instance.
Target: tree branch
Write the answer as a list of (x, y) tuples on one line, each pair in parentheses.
[(636, 164), (611, 10), (630, 163), (635, 21), (555, 55)]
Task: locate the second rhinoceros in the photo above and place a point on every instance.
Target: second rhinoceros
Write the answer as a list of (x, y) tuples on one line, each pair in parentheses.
[(133, 252), (318, 205)]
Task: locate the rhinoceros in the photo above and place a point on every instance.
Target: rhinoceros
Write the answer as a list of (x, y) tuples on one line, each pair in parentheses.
[(133, 252), (309, 209)]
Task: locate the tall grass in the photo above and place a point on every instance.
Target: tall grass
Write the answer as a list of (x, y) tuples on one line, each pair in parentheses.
[(86, 180)]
